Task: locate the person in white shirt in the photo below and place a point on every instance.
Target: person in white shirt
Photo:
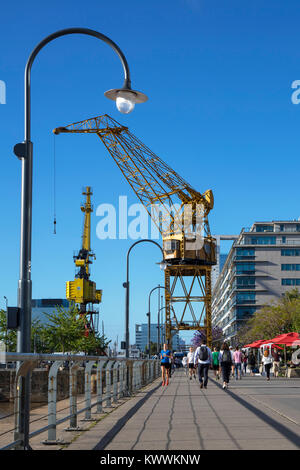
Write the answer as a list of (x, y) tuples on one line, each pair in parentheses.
[(203, 357), (267, 360), (191, 364)]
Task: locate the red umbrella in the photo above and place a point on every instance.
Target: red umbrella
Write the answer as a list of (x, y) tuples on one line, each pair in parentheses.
[(286, 338), (255, 344)]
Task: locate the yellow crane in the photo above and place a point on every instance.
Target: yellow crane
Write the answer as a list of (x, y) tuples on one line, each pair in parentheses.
[(82, 290), (180, 213)]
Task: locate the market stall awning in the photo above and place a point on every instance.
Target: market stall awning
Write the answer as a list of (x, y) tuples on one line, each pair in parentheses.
[(289, 339)]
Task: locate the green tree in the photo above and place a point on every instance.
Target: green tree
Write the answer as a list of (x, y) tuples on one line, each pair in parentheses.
[(274, 319), (64, 330), (8, 337)]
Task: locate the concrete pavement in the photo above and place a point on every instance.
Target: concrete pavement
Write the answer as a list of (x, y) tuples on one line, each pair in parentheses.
[(253, 414)]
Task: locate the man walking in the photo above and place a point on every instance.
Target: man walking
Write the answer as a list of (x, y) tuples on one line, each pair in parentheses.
[(203, 357)]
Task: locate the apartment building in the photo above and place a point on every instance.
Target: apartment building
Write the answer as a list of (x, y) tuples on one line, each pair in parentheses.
[(263, 263)]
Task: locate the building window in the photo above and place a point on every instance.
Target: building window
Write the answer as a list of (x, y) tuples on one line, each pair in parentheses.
[(245, 253), (264, 228), (290, 282), (245, 281), (245, 297), (243, 313), (260, 240), (244, 268), (290, 267), (290, 252)]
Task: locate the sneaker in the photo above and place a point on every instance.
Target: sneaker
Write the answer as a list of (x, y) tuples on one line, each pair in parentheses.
[(190, 378), (163, 383), (205, 386), (224, 386), (201, 385), (167, 382)]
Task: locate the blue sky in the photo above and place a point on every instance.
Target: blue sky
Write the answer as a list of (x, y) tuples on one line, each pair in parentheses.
[(218, 76)]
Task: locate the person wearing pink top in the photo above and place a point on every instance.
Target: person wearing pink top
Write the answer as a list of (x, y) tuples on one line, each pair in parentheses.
[(237, 359)]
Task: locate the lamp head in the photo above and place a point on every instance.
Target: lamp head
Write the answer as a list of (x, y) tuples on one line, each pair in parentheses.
[(125, 98)]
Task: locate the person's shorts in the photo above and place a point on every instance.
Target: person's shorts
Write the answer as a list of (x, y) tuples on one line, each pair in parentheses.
[(216, 366), (167, 365), (191, 366)]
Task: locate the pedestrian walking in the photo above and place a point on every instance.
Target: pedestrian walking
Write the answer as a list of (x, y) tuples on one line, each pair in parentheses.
[(276, 362), (245, 362), (203, 357), (267, 360), (232, 367), (165, 356), (191, 363), (237, 359), (251, 362), (185, 364), (215, 363), (225, 360)]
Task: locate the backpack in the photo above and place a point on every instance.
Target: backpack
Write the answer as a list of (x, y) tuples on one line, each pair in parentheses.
[(203, 354), (226, 357)]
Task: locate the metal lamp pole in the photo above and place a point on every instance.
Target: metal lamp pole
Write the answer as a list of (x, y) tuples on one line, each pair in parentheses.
[(24, 151), (149, 313), (126, 285)]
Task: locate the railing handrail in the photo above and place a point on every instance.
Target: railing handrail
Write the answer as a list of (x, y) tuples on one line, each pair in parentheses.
[(9, 356)]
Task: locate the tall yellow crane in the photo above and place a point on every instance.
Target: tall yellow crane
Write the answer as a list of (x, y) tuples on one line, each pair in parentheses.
[(180, 213), (82, 290)]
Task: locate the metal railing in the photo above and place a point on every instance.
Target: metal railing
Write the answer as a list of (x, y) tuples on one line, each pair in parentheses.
[(122, 378)]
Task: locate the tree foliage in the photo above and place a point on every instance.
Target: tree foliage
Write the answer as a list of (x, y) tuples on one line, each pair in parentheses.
[(64, 331), (273, 319), (199, 336)]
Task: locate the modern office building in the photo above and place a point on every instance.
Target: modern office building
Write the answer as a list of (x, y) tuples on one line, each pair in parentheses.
[(263, 263), (42, 306), (141, 336)]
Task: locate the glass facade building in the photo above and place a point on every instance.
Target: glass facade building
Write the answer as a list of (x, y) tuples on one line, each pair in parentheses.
[(263, 263)]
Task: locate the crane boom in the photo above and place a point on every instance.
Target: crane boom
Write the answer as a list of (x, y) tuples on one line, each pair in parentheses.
[(167, 198)]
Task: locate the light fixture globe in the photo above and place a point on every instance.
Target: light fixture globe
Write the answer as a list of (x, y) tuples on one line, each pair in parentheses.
[(125, 102), (125, 98)]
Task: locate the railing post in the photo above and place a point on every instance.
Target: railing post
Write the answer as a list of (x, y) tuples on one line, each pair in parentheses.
[(115, 382), (52, 401), (87, 390), (23, 370), (73, 397), (108, 382), (101, 364)]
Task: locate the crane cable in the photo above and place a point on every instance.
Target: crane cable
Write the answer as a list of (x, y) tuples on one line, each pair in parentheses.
[(54, 185)]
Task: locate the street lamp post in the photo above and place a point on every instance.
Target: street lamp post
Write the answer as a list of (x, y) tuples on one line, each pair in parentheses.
[(126, 285), (125, 100), (149, 313)]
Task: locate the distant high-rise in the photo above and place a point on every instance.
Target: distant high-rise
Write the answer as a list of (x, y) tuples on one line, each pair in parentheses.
[(263, 263)]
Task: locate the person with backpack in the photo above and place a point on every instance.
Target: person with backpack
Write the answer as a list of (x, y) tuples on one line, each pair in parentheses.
[(267, 360), (203, 357), (225, 359)]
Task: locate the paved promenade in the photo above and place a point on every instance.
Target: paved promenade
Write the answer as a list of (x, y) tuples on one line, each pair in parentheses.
[(253, 414)]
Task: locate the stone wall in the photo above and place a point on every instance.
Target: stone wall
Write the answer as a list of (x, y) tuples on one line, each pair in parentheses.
[(39, 384)]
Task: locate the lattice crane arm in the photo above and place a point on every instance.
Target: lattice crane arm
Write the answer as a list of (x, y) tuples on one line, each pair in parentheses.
[(154, 182)]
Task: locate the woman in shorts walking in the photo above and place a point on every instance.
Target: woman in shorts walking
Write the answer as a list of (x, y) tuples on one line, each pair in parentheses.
[(165, 356), (191, 363)]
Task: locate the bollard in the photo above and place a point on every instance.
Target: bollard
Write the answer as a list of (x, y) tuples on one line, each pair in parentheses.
[(52, 401)]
